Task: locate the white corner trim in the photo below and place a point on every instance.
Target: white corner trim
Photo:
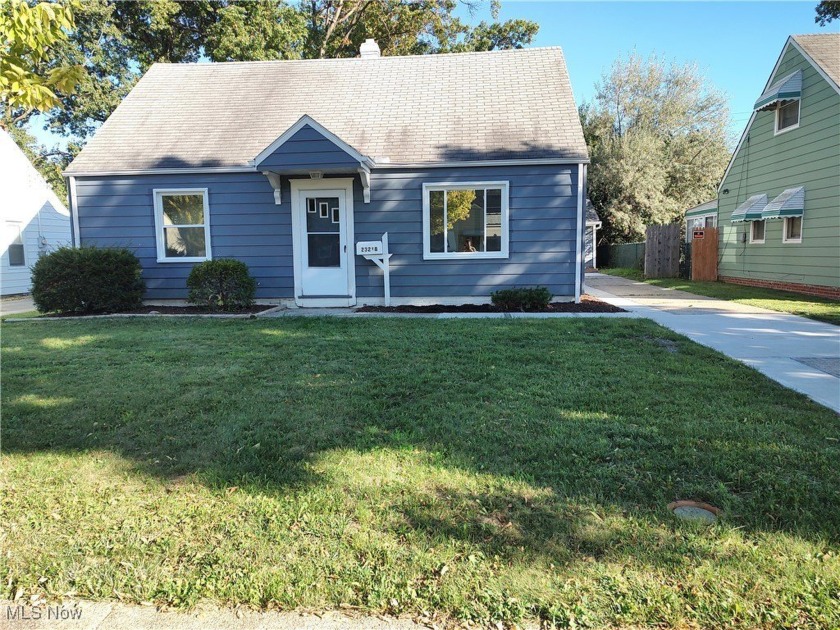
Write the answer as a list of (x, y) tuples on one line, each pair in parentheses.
[(157, 196), (579, 234), (483, 185), (74, 211), (302, 122)]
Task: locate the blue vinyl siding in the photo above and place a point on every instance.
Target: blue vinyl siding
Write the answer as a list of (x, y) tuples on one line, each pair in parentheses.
[(543, 214), (308, 149), (246, 224)]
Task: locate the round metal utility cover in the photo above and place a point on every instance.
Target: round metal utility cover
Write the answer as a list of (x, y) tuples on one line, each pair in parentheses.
[(691, 513), (694, 511)]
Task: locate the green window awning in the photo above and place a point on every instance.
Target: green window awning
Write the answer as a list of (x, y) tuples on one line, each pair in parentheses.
[(750, 210), (791, 203), (787, 89), (704, 209)]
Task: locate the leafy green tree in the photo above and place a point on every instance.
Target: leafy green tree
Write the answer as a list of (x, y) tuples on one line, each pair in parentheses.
[(827, 10), (116, 42), (336, 28), (657, 138), (28, 34)]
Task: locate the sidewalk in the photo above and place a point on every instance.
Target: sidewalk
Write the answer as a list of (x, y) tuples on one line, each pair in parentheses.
[(796, 352)]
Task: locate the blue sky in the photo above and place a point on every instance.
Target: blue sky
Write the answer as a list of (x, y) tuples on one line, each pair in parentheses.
[(734, 43)]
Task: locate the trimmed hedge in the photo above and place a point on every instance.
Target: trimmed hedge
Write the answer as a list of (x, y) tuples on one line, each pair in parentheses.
[(87, 280), (221, 285), (523, 299)]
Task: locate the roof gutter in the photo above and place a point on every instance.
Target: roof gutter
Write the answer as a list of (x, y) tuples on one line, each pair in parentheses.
[(367, 162)]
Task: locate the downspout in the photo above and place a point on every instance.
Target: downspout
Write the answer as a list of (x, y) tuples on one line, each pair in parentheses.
[(70, 182), (579, 231)]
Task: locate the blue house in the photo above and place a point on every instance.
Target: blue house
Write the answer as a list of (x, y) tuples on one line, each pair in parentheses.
[(473, 164)]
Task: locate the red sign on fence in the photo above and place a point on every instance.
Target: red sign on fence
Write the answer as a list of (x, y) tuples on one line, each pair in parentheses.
[(697, 234)]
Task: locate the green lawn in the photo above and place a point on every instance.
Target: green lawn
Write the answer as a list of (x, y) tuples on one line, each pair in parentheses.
[(813, 307), (488, 470)]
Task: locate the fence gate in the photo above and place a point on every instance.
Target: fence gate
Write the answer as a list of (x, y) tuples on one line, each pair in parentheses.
[(662, 251), (704, 254)]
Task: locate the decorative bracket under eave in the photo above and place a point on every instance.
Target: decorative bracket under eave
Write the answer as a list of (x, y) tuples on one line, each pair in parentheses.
[(274, 180), (364, 173)]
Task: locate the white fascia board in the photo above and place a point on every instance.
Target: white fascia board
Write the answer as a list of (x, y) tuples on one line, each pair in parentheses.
[(302, 122), (466, 163), (164, 171)]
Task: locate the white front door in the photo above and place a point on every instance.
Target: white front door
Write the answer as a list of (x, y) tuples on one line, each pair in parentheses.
[(323, 247)]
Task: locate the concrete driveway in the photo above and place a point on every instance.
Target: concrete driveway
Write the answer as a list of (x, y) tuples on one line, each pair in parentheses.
[(799, 353), (12, 305)]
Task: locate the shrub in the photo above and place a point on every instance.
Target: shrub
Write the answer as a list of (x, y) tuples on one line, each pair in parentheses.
[(87, 280), (223, 285), (522, 299)]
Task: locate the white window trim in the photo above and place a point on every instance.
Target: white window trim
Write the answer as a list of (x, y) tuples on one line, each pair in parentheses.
[(17, 230), (777, 111), (158, 194), (785, 238), (756, 241), (444, 186)]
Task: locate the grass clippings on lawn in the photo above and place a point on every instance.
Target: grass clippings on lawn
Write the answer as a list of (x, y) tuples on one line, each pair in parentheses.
[(821, 309), (488, 470)]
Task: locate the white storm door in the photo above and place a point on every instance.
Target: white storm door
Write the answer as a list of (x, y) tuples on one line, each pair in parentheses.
[(324, 257)]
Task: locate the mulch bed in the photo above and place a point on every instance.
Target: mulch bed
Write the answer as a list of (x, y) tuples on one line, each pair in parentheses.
[(588, 304), (170, 310)]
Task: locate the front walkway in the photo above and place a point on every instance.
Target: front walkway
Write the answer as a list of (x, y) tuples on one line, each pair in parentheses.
[(799, 353)]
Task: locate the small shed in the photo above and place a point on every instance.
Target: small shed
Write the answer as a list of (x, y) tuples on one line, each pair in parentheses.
[(33, 220)]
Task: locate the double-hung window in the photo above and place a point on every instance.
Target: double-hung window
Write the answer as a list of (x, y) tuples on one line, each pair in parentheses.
[(787, 116), (757, 232), (465, 220), (17, 251), (182, 225), (792, 230)]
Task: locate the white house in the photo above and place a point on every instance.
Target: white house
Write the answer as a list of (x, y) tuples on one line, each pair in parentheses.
[(33, 220)]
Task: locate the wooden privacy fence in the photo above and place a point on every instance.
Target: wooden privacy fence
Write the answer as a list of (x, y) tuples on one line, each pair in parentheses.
[(704, 255), (662, 251)]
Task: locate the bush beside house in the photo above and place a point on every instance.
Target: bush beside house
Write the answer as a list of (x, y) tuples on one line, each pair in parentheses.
[(87, 280), (221, 285)]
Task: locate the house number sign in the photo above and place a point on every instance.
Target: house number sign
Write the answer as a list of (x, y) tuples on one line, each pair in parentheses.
[(369, 248)]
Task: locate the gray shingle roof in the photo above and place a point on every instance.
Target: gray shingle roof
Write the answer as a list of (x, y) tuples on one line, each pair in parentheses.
[(824, 49), (420, 109)]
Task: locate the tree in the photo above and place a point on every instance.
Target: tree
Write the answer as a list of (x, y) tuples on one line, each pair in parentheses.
[(336, 28), (116, 42), (827, 10), (657, 138), (27, 37)]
